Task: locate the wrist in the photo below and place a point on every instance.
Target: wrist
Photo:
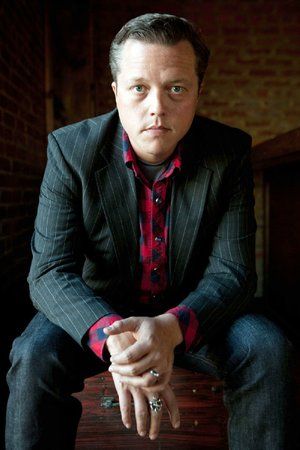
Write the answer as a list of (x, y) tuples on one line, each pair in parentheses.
[(171, 324)]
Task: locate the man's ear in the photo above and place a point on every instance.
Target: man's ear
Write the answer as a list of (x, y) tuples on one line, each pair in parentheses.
[(114, 87)]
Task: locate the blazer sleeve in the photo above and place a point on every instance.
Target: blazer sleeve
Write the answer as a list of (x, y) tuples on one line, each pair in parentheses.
[(229, 280), (55, 278)]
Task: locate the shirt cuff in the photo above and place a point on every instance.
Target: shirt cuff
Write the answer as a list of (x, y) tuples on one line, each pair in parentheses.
[(97, 338), (189, 326)]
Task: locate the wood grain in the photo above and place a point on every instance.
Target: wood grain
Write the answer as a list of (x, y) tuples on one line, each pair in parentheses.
[(203, 417)]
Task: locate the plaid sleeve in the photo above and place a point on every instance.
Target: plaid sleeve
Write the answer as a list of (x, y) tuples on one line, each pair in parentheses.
[(97, 338), (189, 326)]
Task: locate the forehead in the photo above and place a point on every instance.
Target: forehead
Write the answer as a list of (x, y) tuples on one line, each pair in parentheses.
[(139, 58)]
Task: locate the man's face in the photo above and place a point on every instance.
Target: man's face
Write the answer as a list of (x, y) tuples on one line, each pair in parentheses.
[(156, 95)]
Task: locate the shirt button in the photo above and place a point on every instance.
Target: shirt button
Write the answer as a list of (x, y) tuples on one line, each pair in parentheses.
[(155, 269), (158, 200), (158, 238)]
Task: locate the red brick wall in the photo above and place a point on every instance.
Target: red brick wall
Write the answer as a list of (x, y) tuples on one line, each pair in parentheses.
[(22, 157), (253, 80), (22, 131)]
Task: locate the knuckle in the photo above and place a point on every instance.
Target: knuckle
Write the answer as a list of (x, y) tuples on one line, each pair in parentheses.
[(143, 415), (125, 410), (128, 356), (148, 382), (151, 340), (157, 358), (133, 371), (160, 388)]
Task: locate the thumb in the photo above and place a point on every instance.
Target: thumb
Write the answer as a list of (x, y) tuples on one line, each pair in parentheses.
[(120, 326)]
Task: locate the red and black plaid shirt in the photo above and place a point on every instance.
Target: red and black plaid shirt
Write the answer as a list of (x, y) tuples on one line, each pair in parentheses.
[(152, 279)]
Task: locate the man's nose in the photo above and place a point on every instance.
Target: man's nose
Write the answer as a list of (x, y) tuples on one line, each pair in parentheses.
[(157, 103)]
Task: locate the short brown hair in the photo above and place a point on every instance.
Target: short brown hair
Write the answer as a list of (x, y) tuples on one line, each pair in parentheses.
[(164, 29)]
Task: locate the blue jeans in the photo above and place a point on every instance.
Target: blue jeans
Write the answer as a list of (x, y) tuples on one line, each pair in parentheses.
[(252, 357)]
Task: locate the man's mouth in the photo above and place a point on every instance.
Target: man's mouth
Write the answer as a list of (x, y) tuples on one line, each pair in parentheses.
[(157, 128)]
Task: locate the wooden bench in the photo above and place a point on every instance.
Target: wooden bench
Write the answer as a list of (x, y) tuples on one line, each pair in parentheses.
[(203, 416)]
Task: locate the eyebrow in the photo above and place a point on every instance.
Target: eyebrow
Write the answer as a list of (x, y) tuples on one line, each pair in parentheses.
[(174, 81), (180, 80)]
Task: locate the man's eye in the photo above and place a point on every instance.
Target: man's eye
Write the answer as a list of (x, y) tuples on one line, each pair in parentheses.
[(139, 89), (177, 89)]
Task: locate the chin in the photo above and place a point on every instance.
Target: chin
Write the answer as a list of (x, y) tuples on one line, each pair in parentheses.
[(158, 152)]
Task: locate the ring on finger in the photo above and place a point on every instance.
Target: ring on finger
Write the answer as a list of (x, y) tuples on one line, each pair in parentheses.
[(156, 404), (154, 373)]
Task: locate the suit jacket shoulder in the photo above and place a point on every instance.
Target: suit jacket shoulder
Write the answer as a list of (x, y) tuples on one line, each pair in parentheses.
[(86, 140)]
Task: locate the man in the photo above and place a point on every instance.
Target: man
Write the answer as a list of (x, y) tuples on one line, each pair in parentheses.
[(143, 251)]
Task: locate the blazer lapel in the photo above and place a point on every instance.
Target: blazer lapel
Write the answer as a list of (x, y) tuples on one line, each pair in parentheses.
[(189, 192), (116, 186)]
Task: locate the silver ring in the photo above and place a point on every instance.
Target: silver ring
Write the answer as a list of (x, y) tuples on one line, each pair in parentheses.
[(154, 373), (156, 404)]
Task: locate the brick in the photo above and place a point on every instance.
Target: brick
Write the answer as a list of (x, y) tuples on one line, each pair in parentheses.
[(278, 62), (259, 50), (247, 60), (237, 71), (291, 73), (5, 164), (7, 180), (262, 73), (9, 120), (22, 111), (10, 196), (288, 52)]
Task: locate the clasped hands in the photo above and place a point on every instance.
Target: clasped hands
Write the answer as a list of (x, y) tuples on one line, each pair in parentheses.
[(137, 345)]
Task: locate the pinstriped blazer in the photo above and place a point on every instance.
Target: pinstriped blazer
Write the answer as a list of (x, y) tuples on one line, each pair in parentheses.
[(86, 235)]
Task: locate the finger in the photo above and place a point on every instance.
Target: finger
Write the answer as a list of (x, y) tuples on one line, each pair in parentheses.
[(140, 381), (133, 369), (120, 326), (137, 382), (147, 381), (124, 403), (125, 408), (155, 420), (172, 406), (141, 412), (131, 354)]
